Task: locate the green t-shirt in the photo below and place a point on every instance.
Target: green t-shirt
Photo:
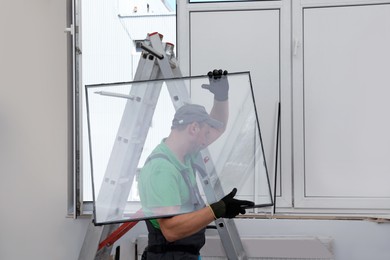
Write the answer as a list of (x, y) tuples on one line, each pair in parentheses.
[(161, 183)]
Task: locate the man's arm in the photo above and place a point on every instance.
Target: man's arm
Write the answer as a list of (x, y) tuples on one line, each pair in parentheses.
[(219, 86), (182, 226), (220, 112)]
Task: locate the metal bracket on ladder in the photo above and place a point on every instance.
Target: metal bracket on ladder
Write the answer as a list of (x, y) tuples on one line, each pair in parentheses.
[(157, 61)]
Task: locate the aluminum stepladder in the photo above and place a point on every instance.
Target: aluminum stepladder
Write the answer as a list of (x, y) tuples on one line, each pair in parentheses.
[(157, 62)]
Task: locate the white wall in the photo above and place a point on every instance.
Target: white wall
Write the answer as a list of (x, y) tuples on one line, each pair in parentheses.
[(35, 150), (35, 132)]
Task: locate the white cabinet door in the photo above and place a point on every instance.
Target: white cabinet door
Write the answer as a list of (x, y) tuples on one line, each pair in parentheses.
[(341, 106)]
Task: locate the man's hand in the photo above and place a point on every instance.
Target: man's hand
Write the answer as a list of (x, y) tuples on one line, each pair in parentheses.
[(228, 207), (219, 84)]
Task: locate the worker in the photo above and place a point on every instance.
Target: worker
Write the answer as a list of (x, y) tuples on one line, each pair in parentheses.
[(167, 182)]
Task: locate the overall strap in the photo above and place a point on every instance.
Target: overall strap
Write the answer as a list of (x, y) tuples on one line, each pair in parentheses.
[(196, 198)]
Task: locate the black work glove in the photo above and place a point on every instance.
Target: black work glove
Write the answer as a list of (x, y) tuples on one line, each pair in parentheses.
[(228, 207), (219, 84)]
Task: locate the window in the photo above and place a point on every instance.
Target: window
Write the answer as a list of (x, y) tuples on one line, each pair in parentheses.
[(304, 54), (110, 33), (285, 55)]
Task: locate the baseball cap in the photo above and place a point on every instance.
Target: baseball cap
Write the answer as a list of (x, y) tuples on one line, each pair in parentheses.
[(189, 113)]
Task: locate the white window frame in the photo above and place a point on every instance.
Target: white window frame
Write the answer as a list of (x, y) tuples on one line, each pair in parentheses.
[(291, 201), (77, 206), (359, 207), (284, 190)]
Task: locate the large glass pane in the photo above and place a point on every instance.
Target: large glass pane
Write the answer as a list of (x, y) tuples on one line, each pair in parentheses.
[(128, 120)]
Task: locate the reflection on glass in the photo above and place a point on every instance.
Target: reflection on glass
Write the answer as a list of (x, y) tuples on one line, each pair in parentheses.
[(155, 154)]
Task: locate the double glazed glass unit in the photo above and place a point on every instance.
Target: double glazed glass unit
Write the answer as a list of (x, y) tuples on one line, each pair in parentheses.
[(126, 121)]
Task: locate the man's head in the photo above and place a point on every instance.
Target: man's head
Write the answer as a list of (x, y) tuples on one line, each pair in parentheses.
[(190, 113)]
